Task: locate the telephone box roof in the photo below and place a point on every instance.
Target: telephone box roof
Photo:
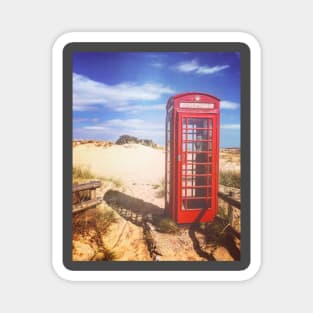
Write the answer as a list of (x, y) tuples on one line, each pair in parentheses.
[(179, 95), (184, 94)]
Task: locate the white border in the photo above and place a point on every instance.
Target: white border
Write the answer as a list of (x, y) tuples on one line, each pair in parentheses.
[(57, 154)]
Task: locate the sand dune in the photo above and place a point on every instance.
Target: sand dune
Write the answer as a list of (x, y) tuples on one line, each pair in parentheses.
[(140, 169), (132, 163)]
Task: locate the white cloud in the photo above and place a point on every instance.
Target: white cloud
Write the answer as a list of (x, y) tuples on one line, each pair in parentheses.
[(187, 66), (94, 127), (229, 105), (195, 67), (88, 93), (230, 126), (212, 69), (134, 127), (157, 64), (139, 108), (85, 119)]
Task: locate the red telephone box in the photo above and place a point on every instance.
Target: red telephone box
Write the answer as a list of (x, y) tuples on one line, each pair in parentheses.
[(192, 157)]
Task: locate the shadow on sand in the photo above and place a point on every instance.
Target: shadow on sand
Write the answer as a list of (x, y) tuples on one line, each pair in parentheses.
[(138, 212), (193, 229), (216, 233), (131, 208)]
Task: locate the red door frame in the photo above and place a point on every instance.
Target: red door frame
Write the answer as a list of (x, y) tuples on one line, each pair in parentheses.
[(197, 215)]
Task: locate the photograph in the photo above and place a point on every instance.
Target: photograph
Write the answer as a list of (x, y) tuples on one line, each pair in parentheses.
[(156, 156)]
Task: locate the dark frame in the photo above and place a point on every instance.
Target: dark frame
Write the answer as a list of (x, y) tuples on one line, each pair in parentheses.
[(245, 82)]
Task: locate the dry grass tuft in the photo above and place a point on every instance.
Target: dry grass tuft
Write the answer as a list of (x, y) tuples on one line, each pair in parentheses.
[(90, 227), (160, 187), (230, 178), (116, 181), (166, 225), (82, 173)]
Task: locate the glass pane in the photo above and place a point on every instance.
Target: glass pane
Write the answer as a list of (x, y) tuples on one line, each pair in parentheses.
[(200, 180), (210, 134), (188, 181), (197, 123)]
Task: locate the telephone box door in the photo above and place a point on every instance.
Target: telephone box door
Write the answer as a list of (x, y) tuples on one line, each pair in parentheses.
[(197, 167)]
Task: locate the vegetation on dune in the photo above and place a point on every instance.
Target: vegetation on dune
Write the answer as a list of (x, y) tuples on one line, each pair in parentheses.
[(126, 139), (116, 181), (222, 212), (105, 219), (230, 178), (81, 174), (161, 192), (165, 225), (94, 225), (106, 255), (160, 187)]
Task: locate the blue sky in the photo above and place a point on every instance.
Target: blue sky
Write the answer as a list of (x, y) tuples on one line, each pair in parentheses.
[(116, 93)]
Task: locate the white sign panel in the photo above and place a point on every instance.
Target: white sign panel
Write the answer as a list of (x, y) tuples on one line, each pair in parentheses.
[(196, 105)]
